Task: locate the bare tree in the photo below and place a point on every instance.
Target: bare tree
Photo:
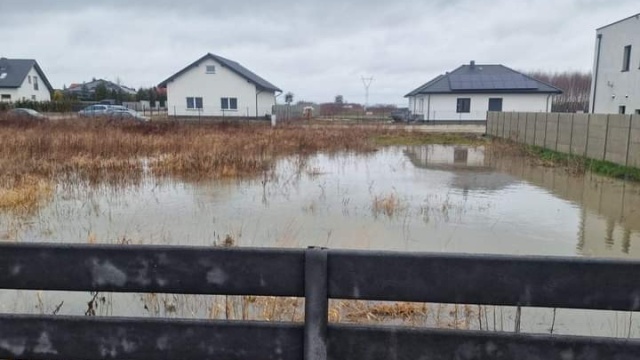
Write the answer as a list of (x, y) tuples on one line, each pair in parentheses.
[(576, 87)]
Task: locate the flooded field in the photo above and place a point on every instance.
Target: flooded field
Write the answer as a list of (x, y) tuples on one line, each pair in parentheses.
[(436, 198)]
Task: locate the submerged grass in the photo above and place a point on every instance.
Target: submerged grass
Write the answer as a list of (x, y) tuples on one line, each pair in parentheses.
[(23, 195), (579, 164)]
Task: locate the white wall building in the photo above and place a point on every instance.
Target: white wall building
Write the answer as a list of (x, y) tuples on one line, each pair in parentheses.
[(23, 79), (468, 92), (215, 86), (616, 68)]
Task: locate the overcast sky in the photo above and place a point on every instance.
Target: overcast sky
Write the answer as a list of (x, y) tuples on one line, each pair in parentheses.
[(315, 49)]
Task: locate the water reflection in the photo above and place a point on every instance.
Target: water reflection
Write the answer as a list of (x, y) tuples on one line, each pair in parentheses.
[(609, 209)]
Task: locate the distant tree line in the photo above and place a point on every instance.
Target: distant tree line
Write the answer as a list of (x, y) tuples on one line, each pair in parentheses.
[(576, 87)]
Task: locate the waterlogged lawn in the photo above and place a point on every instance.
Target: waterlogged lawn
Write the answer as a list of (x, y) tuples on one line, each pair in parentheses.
[(439, 198)]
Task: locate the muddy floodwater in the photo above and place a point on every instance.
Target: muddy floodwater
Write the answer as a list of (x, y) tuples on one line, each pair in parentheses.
[(427, 198)]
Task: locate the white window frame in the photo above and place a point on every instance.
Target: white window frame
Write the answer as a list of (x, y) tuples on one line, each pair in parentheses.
[(194, 101), (228, 99)]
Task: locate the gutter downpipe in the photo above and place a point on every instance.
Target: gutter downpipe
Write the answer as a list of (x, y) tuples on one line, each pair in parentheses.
[(595, 76), (257, 93), (428, 107), (548, 98)]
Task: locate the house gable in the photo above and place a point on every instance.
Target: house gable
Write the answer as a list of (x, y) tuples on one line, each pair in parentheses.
[(14, 73), (259, 82)]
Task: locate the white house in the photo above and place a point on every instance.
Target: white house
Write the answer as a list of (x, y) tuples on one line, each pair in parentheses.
[(616, 68), (468, 92), (23, 79), (215, 86)]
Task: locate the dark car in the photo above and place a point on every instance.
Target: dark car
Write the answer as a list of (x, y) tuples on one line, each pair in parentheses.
[(402, 115), (26, 114)]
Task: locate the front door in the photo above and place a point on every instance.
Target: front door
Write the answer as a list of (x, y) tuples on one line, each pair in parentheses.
[(495, 104)]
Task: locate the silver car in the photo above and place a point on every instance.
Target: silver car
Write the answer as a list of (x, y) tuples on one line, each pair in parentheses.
[(95, 110), (121, 112)]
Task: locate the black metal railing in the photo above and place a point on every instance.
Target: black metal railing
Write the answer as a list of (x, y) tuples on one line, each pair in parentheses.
[(317, 275)]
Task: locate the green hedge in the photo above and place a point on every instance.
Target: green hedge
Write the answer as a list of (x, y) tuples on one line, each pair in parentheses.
[(45, 106)]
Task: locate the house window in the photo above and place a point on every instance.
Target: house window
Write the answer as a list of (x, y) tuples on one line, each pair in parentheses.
[(29, 78), (5, 97), (464, 105), (495, 104), (229, 103), (637, 111), (626, 59), (622, 109), (33, 97), (3, 75), (194, 103), (211, 69), (35, 83)]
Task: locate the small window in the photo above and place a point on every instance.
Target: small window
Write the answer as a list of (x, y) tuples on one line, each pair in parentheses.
[(5, 97), (33, 97), (29, 78), (464, 105), (637, 111), (3, 75), (194, 103), (495, 104), (211, 69), (626, 59), (35, 83), (229, 103), (622, 109)]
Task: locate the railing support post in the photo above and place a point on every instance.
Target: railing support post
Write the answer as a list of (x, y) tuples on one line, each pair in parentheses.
[(316, 306)]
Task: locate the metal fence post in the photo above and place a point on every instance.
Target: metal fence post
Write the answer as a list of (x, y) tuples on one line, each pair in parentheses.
[(316, 307)]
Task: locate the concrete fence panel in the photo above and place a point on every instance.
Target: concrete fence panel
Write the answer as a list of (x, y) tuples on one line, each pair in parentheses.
[(564, 133), (597, 136), (579, 134), (551, 141), (490, 123), (617, 139), (507, 122), (522, 127), (614, 137), (513, 126), (540, 129), (530, 132), (634, 142)]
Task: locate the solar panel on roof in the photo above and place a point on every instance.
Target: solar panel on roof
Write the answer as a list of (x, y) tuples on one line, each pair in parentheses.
[(490, 82)]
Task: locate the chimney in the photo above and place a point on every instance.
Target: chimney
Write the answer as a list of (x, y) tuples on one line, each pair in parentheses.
[(472, 64)]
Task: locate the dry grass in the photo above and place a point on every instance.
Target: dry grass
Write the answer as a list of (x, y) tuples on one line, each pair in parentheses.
[(96, 151), (389, 205), (25, 194)]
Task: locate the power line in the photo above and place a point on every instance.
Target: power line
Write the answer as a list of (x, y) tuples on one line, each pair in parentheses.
[(367, 83)]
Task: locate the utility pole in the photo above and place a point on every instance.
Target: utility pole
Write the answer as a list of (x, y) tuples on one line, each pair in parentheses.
[(367, 83)]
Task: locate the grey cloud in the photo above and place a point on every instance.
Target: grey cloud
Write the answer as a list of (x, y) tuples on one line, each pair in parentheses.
[(316, 49)]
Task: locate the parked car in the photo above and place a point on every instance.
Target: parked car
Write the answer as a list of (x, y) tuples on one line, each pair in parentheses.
[(95, 110), (402, 115), (121, 112), (27, 114)]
